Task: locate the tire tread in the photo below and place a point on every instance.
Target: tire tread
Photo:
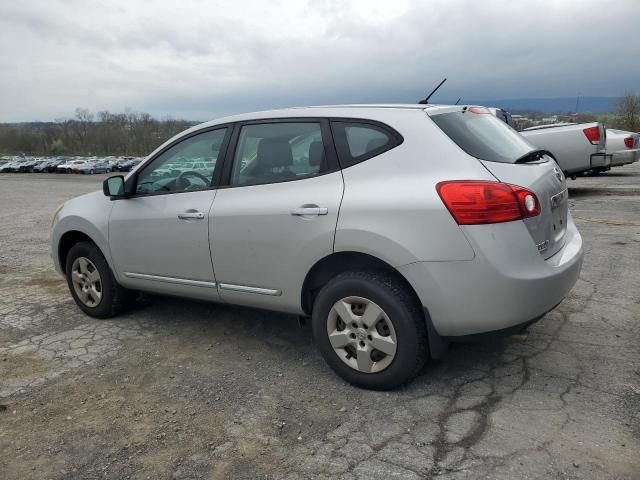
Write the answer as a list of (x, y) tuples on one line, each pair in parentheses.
[(115, 297), (408, 303)]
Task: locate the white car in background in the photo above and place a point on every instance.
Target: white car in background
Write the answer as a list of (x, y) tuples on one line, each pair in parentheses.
[(624, 147), (577, 148), (69, 167)]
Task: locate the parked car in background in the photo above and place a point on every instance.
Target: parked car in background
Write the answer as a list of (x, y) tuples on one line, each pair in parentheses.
[(577, 148), (97, 167), (4, 164), (471, 232), (127, 165), (78, 166), (28, 164), (42, 166), (624, 147), (13, 166), (67, 167), (53, 164), (37, 166)]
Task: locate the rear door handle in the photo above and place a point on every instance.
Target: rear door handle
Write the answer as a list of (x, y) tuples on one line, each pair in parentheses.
[(191, 215), (302, 211)]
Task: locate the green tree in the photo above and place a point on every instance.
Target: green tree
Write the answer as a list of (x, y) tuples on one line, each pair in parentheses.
[(628, 112), (57, 147)]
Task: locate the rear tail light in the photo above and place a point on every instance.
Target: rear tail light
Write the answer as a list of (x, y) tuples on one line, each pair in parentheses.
[(628, 142), (593, 135), (480, 202)]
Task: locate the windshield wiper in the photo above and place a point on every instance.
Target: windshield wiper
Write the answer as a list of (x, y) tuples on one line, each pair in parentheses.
[(532, 156)]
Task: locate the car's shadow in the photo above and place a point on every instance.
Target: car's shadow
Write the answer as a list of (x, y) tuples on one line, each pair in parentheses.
[(258, 332), (580, 192)]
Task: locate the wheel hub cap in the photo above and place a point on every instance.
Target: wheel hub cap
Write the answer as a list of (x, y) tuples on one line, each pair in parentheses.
[(361, 334), (86, 281)]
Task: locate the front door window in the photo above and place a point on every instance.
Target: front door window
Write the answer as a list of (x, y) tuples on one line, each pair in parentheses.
[(186, 166)]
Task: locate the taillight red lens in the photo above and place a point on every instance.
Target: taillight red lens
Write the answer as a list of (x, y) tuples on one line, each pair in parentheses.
[(482, 202), (593, 135), (628, 142)]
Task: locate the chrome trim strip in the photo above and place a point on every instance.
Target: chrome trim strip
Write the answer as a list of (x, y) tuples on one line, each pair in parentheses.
[(179, 281), (246, 289)]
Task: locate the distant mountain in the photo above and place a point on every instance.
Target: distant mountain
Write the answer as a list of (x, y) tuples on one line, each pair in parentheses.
[(550, 105)]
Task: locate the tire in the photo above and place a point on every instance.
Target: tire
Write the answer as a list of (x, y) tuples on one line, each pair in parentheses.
[(402, 314), (113, 298), (108, 170), (91, 172)]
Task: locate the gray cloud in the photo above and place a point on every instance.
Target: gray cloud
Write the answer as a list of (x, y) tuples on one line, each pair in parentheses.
[(202, 59)]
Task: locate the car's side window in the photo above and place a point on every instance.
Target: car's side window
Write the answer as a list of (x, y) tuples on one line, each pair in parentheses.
[(276, 152), (186, 166), (356, 142)]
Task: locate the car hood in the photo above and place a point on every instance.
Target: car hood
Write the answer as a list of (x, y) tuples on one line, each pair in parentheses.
[(97, 196)]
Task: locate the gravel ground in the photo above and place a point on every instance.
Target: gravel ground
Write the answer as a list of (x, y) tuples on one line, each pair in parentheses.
[(178, 389)]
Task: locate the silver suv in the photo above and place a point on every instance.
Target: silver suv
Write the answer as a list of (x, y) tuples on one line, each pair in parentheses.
[(396, 228)]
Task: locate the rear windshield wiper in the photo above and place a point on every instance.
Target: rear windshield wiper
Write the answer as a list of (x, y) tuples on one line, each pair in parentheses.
[(532, 156)]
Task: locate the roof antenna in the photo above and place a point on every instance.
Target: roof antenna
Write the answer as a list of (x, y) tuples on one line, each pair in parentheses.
[(426, 100), (458, 101)]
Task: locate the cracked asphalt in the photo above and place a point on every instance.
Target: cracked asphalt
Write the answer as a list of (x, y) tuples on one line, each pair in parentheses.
[(179, 389)]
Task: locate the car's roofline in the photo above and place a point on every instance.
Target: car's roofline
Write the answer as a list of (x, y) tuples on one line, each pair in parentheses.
[(321, 111)]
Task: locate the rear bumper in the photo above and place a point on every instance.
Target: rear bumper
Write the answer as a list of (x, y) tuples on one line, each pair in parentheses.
[(600, 160), (624, 157), (507, 284), (503, 332)]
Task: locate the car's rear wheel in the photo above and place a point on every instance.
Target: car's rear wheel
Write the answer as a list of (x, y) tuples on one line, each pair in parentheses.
[(370, 329), (92, 284)]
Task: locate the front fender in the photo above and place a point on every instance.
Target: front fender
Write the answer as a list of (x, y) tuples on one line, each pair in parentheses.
[(89, 215)]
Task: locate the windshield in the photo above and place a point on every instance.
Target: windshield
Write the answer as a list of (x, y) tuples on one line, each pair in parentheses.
[(483, 136)]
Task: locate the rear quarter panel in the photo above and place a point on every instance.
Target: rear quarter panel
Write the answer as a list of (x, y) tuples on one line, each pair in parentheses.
[(390, 207)]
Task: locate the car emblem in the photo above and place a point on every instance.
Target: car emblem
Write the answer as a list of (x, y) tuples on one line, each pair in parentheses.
[(542, 246), (558, 173)]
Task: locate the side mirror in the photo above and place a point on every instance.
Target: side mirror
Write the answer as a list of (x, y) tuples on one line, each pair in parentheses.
[(114, 187)]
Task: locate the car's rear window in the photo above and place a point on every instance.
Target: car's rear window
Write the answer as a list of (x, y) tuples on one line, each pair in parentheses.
[(483, 136)]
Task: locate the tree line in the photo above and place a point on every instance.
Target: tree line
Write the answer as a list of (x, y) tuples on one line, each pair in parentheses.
[(103, 133), (625, 117), (138, 133)]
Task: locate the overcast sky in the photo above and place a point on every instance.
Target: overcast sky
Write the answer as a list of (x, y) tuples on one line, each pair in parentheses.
[(199, 59)]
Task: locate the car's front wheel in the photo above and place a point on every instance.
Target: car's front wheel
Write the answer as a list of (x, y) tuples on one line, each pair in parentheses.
[(370, 329), (92, 284)]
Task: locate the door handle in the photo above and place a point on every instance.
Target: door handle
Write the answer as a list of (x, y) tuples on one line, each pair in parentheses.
[(191, 215), (302, 211)]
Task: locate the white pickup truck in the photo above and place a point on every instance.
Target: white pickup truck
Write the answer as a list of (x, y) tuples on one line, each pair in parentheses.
[(577, 148)]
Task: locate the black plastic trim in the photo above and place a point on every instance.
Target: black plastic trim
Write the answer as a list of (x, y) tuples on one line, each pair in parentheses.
[(437, 344), (342, 146)]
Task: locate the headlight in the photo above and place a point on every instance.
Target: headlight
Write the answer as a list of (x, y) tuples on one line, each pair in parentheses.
[(55, 213)]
